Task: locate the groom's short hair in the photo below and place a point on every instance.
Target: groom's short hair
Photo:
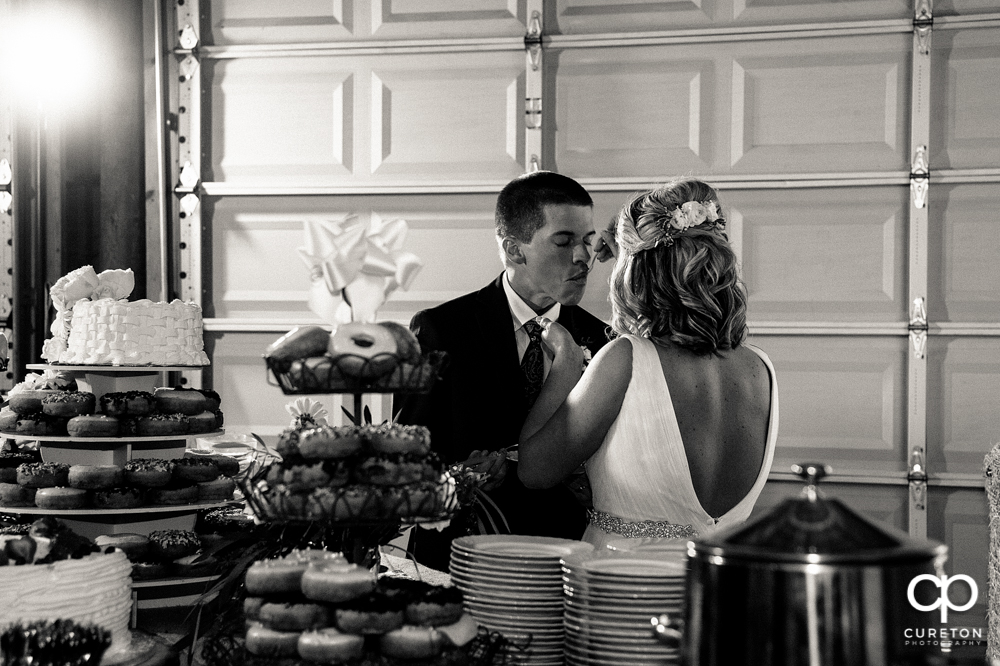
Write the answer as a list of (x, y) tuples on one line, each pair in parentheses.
[(521, 202)]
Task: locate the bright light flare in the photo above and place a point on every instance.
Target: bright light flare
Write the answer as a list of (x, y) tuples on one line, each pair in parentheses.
[(48, 58)]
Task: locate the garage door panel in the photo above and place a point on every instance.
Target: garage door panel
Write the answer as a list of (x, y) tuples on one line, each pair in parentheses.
[(822, 254), (600, 16), (964, 284), (967, 129), (842, 401), (266, 22), (886, 505), (957, 517), (963, 382)]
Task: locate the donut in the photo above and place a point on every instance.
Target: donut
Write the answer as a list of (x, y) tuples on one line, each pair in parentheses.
[(127, 403), (69, 403), (8, 419), (278, 576), (411, 642), (167, 545), (265, 642), (213, 399), (396, 469), (19, 529), (147, 570), (336, 581), (148, 472), (422, 500), (179, 400), (315, 372), (219, 419), (16, 495), (172, 494), (14, 459), (29, 400), (288, 442), (194, 565), (135, 546), (122, 497), (201, 422), (371, 614), (438, 606), (298, 478), (194, 470), (217, 489), (329, 442), (43, 475), (329, 646), (228, 466), (363, 350), (300, 342), (407, 345), (8, 475), (91, 477), (224, 521), (92, 425), (60, 498), (39, 424), (153, 425), (293, 616), (396, 438), (251, 608)]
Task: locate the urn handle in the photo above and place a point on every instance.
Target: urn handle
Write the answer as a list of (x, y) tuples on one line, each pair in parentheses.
[(811, 473)]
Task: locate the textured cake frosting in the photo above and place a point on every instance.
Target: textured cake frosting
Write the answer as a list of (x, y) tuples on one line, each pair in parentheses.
[(143, 332), (95, 589)]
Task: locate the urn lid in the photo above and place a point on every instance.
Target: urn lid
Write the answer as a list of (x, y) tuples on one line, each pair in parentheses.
[(814, 529)]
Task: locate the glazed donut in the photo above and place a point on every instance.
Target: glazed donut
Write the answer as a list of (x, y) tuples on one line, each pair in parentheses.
[(29, 400), (280, 576), (16, 495), (153, 425), (216, 490), (329, 646), (251, 608), (43, 475), (371, 614), (135, 546), (172, 495), (146, 570), (179, 400), (61, 498), (167, 545), (395, 438), (334, 582), (39, 424), (127, 403), (293, 617), (194, 470), (92, 425), (148, 472), (122, 497), (438, 606), (92, 477), (69, 403), (364, 350), (329, 442), (265, 642), (201, 422), (8, 419), (411, 642), (298, 478), (397, 469)]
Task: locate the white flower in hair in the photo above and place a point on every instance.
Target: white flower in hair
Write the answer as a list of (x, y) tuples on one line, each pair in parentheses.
[(306, 411), (693, 213)]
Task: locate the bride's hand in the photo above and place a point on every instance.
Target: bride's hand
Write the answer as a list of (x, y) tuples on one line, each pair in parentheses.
[(561, 344)]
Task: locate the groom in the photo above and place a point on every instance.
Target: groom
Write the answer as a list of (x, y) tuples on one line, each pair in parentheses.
[(496, 361)]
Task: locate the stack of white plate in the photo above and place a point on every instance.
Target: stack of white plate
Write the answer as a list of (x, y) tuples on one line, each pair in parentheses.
[(611, 598), (514, 585)]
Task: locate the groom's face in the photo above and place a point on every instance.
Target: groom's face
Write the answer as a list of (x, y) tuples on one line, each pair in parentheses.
[(557, 260)]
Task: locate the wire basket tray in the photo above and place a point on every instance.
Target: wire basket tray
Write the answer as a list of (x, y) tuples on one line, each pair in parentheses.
[(350, 373)]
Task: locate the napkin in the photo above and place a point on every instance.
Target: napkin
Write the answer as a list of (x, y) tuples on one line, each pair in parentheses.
[(354, 266)]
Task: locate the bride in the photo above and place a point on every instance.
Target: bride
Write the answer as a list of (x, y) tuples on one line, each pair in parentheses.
[(676, 418)]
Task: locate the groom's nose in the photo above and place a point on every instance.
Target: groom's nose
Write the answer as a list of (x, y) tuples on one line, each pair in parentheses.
[(581, 255)]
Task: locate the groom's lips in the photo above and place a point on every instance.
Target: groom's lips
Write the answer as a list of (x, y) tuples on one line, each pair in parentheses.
[(580, 277)]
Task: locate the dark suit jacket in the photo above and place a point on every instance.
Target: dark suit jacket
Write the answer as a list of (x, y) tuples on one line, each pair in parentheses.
[(478, 403)]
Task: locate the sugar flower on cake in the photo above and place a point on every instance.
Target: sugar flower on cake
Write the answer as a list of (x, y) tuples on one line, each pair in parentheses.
[(82, 284)]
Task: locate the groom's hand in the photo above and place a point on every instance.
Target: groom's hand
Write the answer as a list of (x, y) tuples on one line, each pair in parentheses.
[(491, 463)]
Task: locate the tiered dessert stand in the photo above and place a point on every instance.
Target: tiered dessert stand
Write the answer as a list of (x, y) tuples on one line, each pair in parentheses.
[(156, 593)]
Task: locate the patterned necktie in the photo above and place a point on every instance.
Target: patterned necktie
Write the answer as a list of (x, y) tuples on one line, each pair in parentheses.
[(533, 362)]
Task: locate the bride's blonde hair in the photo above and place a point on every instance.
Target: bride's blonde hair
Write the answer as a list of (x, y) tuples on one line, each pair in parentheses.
[(678, 278)]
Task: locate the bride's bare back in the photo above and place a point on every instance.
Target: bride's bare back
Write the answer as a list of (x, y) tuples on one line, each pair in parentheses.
[(722, 403)]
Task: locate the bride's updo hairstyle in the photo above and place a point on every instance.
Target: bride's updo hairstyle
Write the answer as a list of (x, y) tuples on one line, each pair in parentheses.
[(676, 275)]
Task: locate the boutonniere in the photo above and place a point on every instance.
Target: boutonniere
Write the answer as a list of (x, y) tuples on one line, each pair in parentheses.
[(586, 355)]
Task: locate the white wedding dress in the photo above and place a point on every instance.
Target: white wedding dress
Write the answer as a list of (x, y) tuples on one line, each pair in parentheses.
[(640, 473)]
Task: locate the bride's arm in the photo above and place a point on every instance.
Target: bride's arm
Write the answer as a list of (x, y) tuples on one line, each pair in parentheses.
[(570, 417)]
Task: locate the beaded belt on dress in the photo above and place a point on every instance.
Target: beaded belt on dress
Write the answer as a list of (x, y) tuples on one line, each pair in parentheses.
[(642, 528)]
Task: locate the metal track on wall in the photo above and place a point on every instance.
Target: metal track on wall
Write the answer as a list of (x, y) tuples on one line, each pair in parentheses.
[(6, 199)]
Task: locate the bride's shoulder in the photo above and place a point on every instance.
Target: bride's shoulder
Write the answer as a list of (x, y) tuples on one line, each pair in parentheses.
[(616, 356)]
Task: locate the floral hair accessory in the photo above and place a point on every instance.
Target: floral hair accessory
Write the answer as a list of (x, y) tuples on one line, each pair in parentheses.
[(693, 213), (655, 230)]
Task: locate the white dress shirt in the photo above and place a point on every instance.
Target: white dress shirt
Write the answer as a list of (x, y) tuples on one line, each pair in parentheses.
[(521, 313)]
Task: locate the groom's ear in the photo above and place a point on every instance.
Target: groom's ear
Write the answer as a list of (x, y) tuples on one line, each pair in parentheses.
[(512, 250)]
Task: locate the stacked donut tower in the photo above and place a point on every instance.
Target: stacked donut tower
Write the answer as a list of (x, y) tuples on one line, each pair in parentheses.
[(314, 605)]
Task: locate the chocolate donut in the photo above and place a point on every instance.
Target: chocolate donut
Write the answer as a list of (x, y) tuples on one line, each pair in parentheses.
[(122, 497), (29, 400), (172, 494), (40, 424), (16, 495), (167, 545), (194, 470), (68, 404), (43, 475), (201, 422), (157, 424), (216, 490), (127, 403), (148, 472)]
